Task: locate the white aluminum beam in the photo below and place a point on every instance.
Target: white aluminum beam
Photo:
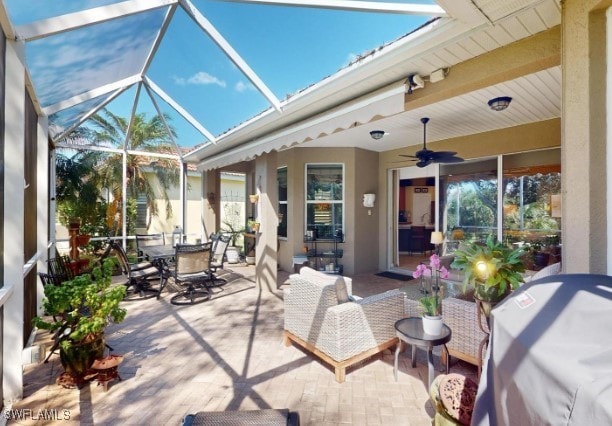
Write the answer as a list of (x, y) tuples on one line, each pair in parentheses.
[(158, 39), (224, 45), (195, 123), (90, 113), (357, 6), (5, 22), (128, 131), (94, 93), (72, 21), (163, 119)]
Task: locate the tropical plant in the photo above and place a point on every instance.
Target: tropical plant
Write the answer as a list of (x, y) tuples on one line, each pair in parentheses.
[(105, 172), (144, 135), (430, 284), (79, 311), (493, 269)]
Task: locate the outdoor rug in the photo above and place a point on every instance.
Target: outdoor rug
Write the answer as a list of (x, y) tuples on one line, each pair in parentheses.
[(395, 276)]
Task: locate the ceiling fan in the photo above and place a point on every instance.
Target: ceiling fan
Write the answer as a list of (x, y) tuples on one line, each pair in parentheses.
[(426, 156)]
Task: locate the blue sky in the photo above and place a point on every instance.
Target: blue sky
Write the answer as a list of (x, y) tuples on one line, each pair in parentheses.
[(289, 48)]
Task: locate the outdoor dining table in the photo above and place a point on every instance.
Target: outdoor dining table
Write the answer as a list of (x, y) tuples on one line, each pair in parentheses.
[(159, 251), (549, 355)]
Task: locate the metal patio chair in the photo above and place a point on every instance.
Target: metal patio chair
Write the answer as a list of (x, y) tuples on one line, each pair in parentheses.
[(143, 240), (220, 244), (141, 277), (192, 272), (59, 269)]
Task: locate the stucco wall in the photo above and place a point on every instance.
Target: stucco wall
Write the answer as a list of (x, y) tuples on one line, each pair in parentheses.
[(359, 227), (583, 147)]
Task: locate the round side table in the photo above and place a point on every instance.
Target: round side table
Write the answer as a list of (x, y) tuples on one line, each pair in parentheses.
[(410, 330)]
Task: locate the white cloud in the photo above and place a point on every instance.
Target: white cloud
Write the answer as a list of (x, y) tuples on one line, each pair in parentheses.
[(241, 86), (199, 78)]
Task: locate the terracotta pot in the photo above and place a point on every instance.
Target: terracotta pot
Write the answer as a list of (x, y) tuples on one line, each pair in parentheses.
[(83, 239)]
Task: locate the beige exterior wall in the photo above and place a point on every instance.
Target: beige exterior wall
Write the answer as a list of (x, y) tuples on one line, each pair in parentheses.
[(584, 141), (360, 176)]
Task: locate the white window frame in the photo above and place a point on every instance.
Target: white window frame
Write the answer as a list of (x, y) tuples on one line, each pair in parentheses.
[(341, 202)]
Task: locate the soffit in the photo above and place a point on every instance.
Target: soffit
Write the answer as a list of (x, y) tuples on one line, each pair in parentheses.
[(442, 44)]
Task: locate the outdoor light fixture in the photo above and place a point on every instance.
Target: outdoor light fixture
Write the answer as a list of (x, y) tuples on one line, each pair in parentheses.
[(377, 134), (500, 104), (368, 200)]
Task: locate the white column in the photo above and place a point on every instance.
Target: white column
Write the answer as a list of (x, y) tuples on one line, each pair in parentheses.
[(14, 135), (42, 201)]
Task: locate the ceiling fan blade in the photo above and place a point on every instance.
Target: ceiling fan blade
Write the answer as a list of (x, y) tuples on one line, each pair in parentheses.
[(408, 156), (450, 159), (439, 154), (424, 163)]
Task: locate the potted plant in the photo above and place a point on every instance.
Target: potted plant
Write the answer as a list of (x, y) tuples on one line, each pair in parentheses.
[(79, 311), (253, 226), (430, 285), (540, 257), (492, 269)]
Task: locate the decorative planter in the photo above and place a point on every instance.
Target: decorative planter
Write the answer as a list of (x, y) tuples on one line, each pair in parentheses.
[(233, 254), (250, 260), (79, 357), (432, 325), (83, 239)]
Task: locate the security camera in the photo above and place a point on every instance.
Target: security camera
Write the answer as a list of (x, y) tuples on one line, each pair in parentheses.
[(415, 81)]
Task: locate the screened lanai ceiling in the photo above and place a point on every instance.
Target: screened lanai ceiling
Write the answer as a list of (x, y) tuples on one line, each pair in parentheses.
[(228, 73), (208, 65)]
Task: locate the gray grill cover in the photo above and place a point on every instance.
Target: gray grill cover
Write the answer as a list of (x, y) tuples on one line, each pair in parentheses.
[(550, 362)]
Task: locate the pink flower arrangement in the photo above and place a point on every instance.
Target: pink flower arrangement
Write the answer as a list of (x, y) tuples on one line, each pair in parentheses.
[(428, 271), (431, 302)]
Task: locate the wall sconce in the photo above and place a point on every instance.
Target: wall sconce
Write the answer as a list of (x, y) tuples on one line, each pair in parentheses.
[(500, 104), (437, 238), (377, 134), (212, 198), (368, 200), (253, 198)]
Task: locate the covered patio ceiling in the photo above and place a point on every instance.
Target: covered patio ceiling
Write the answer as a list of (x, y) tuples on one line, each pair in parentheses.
[(180, 57)]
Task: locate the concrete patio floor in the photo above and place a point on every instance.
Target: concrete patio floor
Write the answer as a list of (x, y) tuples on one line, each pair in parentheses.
[(227, 354)]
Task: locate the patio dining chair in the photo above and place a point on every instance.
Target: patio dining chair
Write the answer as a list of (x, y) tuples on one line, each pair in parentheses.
[(220, 244), (59, 269), (192, 272), (143, 240), (141, 277)]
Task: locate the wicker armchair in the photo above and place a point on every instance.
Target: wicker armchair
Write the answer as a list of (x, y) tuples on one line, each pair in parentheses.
[(462, 318), (341, 334)]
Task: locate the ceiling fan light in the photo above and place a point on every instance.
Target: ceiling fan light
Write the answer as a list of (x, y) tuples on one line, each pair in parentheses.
[(377, 134), (500, 104)]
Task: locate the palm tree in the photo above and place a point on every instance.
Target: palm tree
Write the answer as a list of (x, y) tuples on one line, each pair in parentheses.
[(146, 135)]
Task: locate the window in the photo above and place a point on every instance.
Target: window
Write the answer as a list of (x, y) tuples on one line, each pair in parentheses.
[(325, 200), (281, 176), (468, 206)]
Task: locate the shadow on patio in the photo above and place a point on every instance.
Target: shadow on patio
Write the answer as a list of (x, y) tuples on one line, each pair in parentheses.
[(227, 354)]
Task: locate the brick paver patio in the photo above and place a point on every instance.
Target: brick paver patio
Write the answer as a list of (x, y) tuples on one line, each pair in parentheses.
[(227, 354)]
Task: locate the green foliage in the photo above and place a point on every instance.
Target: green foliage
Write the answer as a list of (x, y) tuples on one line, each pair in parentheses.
[(492, 268), (431, 305), (84, 305), (83, 178)]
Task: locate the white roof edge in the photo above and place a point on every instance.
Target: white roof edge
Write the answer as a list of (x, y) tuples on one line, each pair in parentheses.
[(383, 103), (436, 33)]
